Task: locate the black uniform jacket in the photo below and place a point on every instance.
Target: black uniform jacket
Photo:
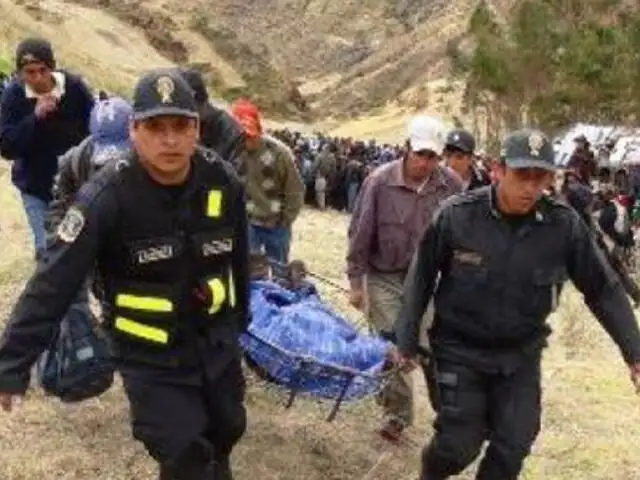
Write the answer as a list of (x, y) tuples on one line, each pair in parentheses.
[(220, 132), (145, 239), (498, 283)]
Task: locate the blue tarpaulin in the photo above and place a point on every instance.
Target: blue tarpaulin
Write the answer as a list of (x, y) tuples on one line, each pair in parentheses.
[(305, 345)]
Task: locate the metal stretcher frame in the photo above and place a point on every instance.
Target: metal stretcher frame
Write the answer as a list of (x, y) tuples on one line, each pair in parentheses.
[(305, 362)]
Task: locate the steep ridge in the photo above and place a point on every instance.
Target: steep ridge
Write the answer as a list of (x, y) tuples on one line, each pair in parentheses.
[(305, 59)]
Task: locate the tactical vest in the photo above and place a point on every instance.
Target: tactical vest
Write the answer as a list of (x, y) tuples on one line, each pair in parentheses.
[(170, 270)]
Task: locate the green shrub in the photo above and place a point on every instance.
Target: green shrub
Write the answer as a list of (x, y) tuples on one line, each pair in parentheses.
[(5, 65)]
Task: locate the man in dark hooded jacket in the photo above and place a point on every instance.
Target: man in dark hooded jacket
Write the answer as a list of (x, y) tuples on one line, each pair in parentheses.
[(219, 131)]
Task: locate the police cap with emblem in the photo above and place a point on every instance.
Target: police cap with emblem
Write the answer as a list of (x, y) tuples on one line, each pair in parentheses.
[(528, 148), (163, 92), (460, 140)]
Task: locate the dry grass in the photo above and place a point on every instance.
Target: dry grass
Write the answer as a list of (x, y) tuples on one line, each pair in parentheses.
[(86, 41), (344, 66), (590, 426), (389, 124)]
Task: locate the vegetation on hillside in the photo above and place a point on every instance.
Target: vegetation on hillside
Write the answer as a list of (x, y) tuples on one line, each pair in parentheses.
[(5, 65), (590, 426), (551, 63)]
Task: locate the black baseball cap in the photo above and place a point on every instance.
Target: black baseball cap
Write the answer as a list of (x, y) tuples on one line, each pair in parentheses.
[(32, 50), (461, 140), (528, 148), (163, 92)]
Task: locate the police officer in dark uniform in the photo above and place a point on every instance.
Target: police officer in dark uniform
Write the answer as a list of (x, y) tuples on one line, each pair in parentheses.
[(458, 154), (168, 232), (501, 253)]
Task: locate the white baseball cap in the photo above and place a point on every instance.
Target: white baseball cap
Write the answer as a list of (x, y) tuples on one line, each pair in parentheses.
[(427, 133)]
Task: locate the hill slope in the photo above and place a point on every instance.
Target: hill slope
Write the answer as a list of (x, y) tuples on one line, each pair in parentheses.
[(590, 426), (305, 58)]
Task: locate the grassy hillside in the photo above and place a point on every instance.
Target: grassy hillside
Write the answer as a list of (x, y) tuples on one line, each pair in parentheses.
[(5, 65), (302, 59), (386, 53), (591, 422)]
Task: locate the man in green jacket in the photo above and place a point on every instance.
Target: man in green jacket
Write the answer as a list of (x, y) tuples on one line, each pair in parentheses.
[(274, 188)]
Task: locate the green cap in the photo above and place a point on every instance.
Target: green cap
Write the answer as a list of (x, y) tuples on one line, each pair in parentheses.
[(163, 92), (528, 148)]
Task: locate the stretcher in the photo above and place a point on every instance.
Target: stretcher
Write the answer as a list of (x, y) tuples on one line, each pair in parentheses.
[(299, 343)]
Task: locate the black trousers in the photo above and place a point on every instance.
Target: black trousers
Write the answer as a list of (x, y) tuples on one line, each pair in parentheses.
[(189, 430), (473, 407)]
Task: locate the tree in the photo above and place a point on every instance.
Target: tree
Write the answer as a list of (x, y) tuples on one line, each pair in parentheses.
[(553, 63)]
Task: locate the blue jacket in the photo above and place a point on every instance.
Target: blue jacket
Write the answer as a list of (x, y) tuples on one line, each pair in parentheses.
[(34, 145)]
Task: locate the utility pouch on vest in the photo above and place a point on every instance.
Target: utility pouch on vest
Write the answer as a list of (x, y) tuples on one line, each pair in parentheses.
[(217, 293), (146, 313)]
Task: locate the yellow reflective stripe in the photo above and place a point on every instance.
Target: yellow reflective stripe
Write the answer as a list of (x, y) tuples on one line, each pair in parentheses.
[(214, 203), (232, 289), (143, 331), (218, 294), (150, 304)]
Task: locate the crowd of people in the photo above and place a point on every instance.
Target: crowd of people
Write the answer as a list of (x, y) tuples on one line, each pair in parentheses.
[(157, 206), (334, 168)]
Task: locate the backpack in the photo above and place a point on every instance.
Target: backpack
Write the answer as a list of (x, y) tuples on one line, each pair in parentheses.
[(79, 364)]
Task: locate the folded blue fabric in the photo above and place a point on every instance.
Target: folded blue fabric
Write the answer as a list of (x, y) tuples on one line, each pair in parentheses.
[(301, 343)]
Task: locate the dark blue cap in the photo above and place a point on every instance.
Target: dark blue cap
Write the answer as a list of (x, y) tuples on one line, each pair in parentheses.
[(163, 92), (528, 148)]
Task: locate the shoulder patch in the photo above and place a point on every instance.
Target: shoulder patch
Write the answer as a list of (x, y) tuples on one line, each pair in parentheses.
[(71, 225)]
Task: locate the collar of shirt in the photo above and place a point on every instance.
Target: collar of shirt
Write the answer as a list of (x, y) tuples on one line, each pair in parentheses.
[(58, 89), (254, 155), (538, 214)]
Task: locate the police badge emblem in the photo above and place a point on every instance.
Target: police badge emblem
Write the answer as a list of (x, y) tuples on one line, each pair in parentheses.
[(165, 88), (536, 142), (71, 225)]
